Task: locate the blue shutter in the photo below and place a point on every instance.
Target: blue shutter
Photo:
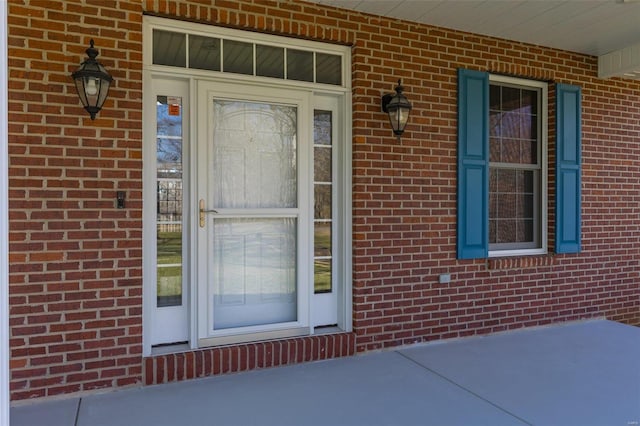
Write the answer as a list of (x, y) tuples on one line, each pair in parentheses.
[(568, 137), (473, 164)]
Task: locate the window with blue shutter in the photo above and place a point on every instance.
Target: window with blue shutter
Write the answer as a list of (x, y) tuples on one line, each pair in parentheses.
[(502, 166)]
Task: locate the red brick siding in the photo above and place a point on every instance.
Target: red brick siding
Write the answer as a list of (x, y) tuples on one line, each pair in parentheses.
[(233, 359), (75, 289), (75, 260)]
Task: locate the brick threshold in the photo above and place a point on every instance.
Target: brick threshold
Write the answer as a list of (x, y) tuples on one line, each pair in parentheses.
[(175, 367)]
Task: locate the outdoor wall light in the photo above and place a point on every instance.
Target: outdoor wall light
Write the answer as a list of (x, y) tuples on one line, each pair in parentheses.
[(92, 82), (397, 106)]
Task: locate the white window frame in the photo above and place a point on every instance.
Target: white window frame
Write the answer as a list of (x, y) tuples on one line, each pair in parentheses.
[(542, 195), (343, 153)]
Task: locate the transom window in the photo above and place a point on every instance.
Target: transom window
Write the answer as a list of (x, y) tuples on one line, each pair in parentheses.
[(184, 50)]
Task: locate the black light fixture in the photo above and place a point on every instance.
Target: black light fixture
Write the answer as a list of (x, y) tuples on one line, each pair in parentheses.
[(397, 106), (92, 82)]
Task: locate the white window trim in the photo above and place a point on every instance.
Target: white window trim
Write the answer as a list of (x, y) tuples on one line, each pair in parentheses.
[(544, 170), (343, 153), (4, 226)]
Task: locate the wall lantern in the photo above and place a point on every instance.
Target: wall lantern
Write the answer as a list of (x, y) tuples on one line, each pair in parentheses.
[(397, 106), (92, 82)]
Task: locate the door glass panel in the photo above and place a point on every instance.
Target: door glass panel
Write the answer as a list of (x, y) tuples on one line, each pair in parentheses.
[(254, 272), (323, 190), (169, 200), (254, 155), (322, 256)]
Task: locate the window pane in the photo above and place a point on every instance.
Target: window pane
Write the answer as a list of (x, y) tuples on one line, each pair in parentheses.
[(254, 158), (511, 206), (322, 164), (510, 125), (524, 206), (322, 176), (528, 152), (513, 125), (510, 100), (169, 286), (506, 181), (528, 127), (169, 116), (322, 127), (506, 204), (530, 101), (495, 123), (495, 149), (169, 200), (524, 181), (328, 69), (204, 53), (506, 231), (269, 61), (493, 231), (299, 65), (238, 57), (322, 276), (510, 150), (322, 201), (322, 239), (169, 48), (525, 231)]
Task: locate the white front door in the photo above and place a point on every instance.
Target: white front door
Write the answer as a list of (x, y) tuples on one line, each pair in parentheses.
[(254, 251)]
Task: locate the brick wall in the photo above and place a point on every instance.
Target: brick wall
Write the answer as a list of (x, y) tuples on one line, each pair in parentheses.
[(75, 279), (76, 260)]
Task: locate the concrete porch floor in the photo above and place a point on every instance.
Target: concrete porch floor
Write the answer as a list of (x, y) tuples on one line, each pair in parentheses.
[(585, 373)]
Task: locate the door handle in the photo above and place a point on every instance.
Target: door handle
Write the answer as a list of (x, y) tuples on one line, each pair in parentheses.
[(202, 213)]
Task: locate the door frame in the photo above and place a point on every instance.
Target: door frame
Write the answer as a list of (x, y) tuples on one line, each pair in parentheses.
[(213, 89), (343, 152)]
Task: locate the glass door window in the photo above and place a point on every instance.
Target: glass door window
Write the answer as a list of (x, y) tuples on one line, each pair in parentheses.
[(322, 200), (254, 192), (169, 201)]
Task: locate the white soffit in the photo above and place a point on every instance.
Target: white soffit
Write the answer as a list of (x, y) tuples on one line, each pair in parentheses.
[(608, 29), (621, 63)]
